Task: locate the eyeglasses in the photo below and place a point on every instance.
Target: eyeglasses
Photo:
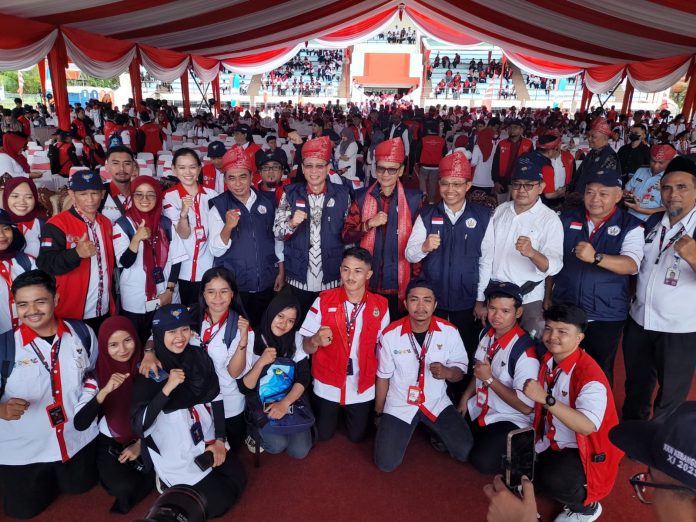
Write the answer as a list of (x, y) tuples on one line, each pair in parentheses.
[(315, 166), (526, 186), (386, 170), (452, 184), (271, 168), (643, 486), (150, 196)]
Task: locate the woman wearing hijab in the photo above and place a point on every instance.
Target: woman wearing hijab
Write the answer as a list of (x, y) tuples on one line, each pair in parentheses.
[(277, 338), (482, 160), (13, 261), (170, 412), (12, 161), (20, 199), (149, 255), (121, 471), (346, 154)]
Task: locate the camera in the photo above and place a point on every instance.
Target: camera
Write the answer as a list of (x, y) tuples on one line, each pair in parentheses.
[(177, 504)]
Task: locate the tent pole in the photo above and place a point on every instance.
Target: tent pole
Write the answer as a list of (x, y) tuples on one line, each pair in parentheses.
[(216, 94), (690, 96), (185, 94), (628, 97)]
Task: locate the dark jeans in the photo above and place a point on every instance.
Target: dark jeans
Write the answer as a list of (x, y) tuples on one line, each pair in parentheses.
[(601, 342), (393, 302), (560, 475), (28, 490), (393, 436), (223, 486), (490, 446), (469, 329), (142, 323), (255, 304), (650, 357), (357, 417), (235, 431), (189, 292)]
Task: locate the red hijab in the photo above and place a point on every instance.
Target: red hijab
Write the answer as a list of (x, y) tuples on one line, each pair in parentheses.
[(13, 144), (156, 249), (37, 212), (485, 142), (116, 406)]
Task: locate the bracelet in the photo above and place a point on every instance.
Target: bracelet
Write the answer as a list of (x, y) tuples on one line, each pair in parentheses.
[(488, 381)]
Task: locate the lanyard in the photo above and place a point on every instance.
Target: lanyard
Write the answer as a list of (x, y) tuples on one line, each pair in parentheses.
[(676, 237), (600, 224), (350, 323), (55, 350), (197, 210), (7, 276), (93, 228), (421, 357), (494, 347), (208, 336)]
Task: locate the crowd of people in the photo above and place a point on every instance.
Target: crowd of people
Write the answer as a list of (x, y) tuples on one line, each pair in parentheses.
[(406, 35), (302, 76), (269, 296), (454, 84)]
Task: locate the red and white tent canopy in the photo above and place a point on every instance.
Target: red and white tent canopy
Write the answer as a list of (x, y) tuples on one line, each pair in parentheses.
[(651, 41)]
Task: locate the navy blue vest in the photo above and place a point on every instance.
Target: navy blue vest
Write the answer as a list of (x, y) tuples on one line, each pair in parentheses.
[(385, 257), (336, 202), (251, 256), (601, 293), (453, 268)]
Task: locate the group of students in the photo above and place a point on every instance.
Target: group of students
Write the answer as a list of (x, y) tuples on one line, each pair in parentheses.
[(225, 298)]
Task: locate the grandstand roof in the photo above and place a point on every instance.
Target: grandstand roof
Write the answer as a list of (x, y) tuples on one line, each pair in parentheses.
[(549, 36)]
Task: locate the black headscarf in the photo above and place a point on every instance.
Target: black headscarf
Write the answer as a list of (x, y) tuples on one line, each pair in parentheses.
[(201, 384), (285, 344), (18, 242)]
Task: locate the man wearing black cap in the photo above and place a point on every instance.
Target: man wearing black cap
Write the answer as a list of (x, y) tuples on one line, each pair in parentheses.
[(212, 174), (660, 334), (271, 167), (77, 248), (504, 360), (506, 154), (602, 247)]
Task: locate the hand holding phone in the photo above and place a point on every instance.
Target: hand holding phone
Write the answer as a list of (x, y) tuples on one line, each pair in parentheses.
[(520, 457)]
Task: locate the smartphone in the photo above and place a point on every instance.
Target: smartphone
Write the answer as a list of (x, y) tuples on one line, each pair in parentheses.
[(160, 376), (520, 456), (629, 199), (204, 460)]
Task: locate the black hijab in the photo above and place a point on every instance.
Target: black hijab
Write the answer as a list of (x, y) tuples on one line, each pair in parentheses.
[(285, 344), (201, 384)]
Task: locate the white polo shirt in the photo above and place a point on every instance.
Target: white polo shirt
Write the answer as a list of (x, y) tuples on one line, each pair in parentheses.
[(32, 234), (110, 209), (399, 363), (9, 268), (659, 306), (501, 261), (32, 439), (200, 258), (591, 402), (311, 325), (488, 402)]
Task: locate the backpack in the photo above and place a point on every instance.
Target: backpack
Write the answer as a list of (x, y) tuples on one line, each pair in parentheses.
[(517, 350), (115, 140), (7, 349), (23, 261)]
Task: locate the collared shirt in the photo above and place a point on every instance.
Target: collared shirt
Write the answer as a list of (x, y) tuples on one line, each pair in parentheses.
[(399, 364), (97, 277), (591, 402), (501, 261), (414, 254), (9, 270), (633, 243), (110, 209), (311, 325), (32, 439), (659, 306), (645, 187), (526, 367)]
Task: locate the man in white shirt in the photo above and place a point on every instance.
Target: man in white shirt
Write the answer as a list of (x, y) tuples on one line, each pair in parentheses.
[(660, 336), (524, 245), (418, 354)]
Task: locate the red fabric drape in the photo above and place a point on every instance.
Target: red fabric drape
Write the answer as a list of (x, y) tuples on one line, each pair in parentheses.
[(185, 94), (136, 85), (216, 93), (42, 76), (690, 96), (628, 98), (585, 99), (57, 62)]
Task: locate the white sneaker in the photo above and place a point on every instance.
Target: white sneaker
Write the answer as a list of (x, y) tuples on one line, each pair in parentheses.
[(571, 516), (251, 444)]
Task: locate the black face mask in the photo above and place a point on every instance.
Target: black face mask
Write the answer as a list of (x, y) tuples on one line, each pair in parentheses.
[(633, 136)]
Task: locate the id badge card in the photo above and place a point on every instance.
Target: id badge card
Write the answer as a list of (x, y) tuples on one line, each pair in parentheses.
[(152, 305), (672, 274), (414, 396), (481, 397), (196, 432), (158, 275), (56, 415), (200, 233)]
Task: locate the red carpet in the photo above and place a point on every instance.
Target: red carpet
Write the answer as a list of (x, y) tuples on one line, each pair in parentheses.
[(339, 482)]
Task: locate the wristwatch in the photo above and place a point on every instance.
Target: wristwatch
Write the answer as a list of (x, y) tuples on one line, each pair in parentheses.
[(598, 258), (488, 381), (550, 400)]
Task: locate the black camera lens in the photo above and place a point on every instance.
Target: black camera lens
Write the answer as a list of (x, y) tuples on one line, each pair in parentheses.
[(177, 504)]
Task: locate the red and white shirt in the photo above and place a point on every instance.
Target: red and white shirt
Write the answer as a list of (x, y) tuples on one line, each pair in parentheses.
[(9, 270)]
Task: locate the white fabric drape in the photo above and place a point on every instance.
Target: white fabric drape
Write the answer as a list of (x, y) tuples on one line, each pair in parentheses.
[(163, 74), (342, 44), (600, 87), (659, 84), (266, 66), (537, 70), (206, 75), (23, 57), (98, 69)]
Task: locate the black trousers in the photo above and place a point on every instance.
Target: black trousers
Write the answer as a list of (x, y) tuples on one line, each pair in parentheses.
[(393, 302), (189, 292), (122, 481), (560, 475), (601, 342), (357, 417), (223, 486), (142, 324), (650, 357), (28, 490), (255, 304), (235, 431), (490, 445), (305, 298), (95, 322), (469, 329)]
